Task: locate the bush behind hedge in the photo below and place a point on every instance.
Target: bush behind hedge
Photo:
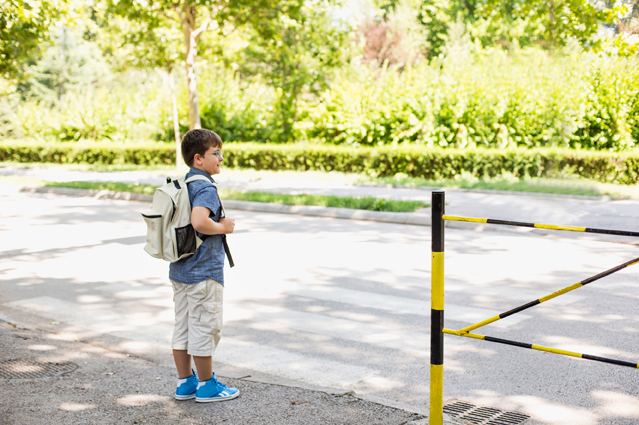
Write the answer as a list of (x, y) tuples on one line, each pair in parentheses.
[(411, 160), (486, 98)]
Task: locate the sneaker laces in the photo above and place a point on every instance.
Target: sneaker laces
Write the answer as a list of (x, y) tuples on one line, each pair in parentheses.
[(220, 385)]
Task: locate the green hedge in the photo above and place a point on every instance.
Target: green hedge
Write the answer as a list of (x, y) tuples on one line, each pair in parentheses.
[(94, 153), (607, 167)]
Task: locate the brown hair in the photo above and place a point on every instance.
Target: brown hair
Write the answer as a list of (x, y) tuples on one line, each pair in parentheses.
[(198, 141)]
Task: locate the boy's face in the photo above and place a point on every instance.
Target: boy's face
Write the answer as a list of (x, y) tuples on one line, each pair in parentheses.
[(210, 162)]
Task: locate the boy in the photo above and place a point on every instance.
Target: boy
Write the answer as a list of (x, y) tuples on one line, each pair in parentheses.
[(198, 280)]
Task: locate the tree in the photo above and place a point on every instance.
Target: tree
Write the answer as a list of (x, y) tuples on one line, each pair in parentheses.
[(295, 54), (548, 22), (146, 44), (24, 32), (69, 63), (194, 17)]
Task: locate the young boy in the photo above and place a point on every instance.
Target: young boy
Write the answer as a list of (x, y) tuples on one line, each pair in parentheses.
[(198, 280)]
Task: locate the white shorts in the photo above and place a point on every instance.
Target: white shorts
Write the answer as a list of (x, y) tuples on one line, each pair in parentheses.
[(198, 317)]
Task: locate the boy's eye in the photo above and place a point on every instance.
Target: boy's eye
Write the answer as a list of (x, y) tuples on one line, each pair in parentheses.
[(218, 154)]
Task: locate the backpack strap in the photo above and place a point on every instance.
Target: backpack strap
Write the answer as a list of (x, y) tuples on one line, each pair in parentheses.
[(227, 250), (203, 178)]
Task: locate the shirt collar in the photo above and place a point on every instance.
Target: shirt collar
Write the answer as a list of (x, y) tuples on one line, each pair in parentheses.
[(194, 170)]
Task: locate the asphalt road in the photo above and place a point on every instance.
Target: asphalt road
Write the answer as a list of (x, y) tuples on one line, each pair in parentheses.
[(344, 304)]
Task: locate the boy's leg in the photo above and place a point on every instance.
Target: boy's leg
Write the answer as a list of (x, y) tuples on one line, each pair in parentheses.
[(180, 331), (183, 363), (204, 367), (205, 322)]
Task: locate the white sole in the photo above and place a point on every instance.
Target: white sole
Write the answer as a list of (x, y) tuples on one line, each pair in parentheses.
[(214, 399), (185, 397)]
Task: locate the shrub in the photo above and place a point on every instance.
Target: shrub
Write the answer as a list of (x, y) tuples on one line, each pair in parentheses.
[(411, 160)]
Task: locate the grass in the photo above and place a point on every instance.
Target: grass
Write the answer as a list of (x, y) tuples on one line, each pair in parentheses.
[(114, 186), (360, 203), (561, 184)]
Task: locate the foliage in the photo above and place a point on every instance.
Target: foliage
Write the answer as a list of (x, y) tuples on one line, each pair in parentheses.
[(416, 161), (139, 43), (145, 189), (88, 153), (412, 161), (70, 64), (238, 109), (361, 203), (295, 54), (487, 99), (24, 31), (133, 106), (520, 22)]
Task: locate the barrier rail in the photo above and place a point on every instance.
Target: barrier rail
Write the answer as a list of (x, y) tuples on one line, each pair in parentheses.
[(437, 300)]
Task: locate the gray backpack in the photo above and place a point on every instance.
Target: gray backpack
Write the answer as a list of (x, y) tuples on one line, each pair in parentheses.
[(170, 235)]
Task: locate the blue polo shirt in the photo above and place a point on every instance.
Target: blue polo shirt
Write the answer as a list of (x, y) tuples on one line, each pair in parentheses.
[(208, 260)]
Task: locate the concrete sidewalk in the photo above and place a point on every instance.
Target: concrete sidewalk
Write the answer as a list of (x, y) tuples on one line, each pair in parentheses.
[(49, 378)]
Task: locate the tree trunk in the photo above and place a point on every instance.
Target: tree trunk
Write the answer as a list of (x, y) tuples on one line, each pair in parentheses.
[(190, 38), (176, 124)]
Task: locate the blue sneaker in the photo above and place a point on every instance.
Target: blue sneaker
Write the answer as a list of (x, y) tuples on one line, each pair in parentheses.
[(214, 390), (186, 388)]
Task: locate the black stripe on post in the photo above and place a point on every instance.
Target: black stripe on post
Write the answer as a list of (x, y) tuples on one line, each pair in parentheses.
[(508, 342), (437, 222), (436, 337), (612, 361)]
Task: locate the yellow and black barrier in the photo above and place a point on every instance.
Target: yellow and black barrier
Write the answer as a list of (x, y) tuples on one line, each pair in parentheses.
[(437, 300), (541, 348), (437, 311), (540, 226)]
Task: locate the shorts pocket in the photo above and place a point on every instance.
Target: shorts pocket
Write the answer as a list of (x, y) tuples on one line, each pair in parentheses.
[(210, 319)]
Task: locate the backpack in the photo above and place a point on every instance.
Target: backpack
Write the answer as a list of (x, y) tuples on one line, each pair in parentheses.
[(170, 234)]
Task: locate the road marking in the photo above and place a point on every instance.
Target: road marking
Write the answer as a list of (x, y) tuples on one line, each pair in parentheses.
[(290, 365), (273, 318), (232, 351), (400, 305)]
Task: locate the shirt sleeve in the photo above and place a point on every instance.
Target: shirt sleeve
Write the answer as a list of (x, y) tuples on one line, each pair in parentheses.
[(206, 196)]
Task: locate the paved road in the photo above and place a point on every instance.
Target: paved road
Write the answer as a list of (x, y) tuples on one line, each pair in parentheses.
[(585, 211), (343, 304)]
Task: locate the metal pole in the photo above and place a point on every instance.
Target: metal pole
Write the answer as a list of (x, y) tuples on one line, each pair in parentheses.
[(437, 310)]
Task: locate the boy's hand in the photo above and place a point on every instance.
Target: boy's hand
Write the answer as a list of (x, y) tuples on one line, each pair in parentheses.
[(228, 224)]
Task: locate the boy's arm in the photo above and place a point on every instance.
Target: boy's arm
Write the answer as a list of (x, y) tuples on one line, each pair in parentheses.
[(203, 223)]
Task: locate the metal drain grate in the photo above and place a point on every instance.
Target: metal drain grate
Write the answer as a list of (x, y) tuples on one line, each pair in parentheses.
[(30, 369), (483, 415)]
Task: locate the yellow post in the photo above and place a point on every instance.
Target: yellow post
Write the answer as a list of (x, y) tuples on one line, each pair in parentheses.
[(437, 310)]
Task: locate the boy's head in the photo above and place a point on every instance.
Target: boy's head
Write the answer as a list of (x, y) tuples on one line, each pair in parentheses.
[(198, 141)]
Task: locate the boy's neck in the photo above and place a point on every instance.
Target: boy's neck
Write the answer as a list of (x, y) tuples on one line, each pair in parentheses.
[(198, 168)]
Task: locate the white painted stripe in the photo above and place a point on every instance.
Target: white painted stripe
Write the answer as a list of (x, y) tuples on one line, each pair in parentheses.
[(511, 293), (290, 365), (273, 318), (453, 312), (231, 351), (132, 326)]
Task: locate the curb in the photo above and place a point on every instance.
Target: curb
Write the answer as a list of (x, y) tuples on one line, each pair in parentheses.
[(421, 218)]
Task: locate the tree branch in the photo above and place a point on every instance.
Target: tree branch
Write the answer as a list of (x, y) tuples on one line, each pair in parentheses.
[(198, 32)]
